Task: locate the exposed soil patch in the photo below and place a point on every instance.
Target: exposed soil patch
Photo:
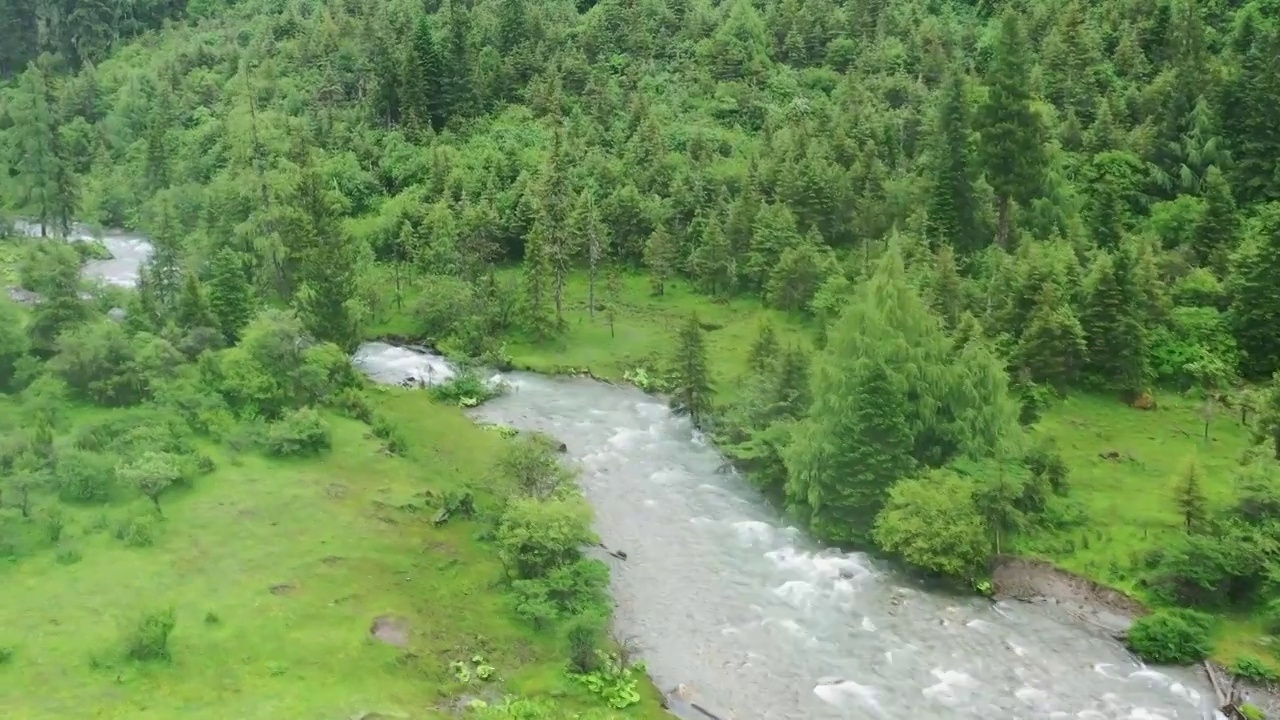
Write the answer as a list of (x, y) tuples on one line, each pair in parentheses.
[(1103, 608), (331, 559), (1041, 582), (336, 491), (391, 629), (283, 589)]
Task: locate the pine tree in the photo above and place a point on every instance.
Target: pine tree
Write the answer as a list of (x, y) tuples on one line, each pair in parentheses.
[(1106, 212), (946, 287), (1192, 503), (327, 265), (538, 272), (690, 378), (1113, 321), (764, 349), (456, 84), (660, 255), (1215, 233), (1052, 347), (36, 140), (953, 207), (711, 262), (889, 395), (192, 308), (424, 86), (1254, 287), (773, 232), (230, 295), (590, 234), (1011, 132)]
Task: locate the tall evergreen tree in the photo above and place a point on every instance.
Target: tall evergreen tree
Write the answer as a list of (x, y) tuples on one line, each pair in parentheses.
[(1192, 503), (953, 207), (1052, 347), (711, 263), (1215, 233), (230, 295), (424, 86), (327, 265), (660, 257), (1114, 324), (1012, 135), (1254, 286), (689, 381)]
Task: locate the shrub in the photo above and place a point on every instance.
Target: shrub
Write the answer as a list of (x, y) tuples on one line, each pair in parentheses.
[(530, 463), (466, 388), (536, 537), (1171, 637), (138, 530), (84, 476), (1271, 617), (353, 404), (54, 524), (148, 639), (390, 434), (68, 556), (6, 655), (586, 640), (301, 432), (1253, 668)]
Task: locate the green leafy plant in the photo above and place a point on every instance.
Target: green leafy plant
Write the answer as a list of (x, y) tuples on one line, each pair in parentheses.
[(148, 638), (613, 681), (1255, 669), (1171, 637)]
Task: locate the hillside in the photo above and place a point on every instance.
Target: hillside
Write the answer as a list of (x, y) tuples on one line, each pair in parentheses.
[(1009, 254)]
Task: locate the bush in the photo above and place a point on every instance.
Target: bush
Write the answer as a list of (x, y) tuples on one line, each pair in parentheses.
[(387, 431), (301, 432), (530, 463), (466, 388), (148, 639), (84, 477), (6, 655), (1171, 637), (138, 530), (586, 640), (353, 404), (1253, 668), (1271, 617), (536, 537)]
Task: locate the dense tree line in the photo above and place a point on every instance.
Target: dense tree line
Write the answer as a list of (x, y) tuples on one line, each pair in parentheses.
[(973, 222)]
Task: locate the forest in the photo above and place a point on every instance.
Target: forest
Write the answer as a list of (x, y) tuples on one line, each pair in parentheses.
[(948, 280)]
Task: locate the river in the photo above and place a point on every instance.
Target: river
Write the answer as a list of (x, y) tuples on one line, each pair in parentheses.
[(722, 596)]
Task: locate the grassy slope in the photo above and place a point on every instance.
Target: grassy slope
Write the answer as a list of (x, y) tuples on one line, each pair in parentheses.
[(330, 527), (1130, 502)]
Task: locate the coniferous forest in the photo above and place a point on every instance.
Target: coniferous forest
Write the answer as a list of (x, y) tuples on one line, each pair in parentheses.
[(947, 280)]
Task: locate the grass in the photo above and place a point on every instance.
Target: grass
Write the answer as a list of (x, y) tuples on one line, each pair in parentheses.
[(644, 327), (1131, 501), (348, 533)]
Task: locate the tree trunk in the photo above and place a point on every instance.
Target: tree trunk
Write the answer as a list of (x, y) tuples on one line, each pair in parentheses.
[(1003, 210), (591, 293)]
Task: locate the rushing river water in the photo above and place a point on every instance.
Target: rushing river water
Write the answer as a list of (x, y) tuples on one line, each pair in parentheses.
[(721, 596)]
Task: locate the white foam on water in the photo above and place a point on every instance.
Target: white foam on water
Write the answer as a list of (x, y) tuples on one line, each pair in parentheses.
[(867, 624), (1091, 715), (842, 692), (650, 502), (1182, 691), (1141, 713), (1151, 676), (952, 687), (751, 532), (1034, 697), (393, 364), (1016, 648), (799, 593), (1101, 669), (977, 624)]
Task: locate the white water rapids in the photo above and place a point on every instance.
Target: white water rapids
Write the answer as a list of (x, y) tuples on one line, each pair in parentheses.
[(722, 596)]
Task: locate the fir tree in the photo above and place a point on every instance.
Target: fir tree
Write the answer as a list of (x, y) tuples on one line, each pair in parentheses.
[(1052, 347), (1254, 285), (192, 308), (230, 295), (711, 263), (1192, 503), (690, 379), (424, 85), (326, 263), (538, 272), (1012, 135), (764, 349), (953, 207), (1215, 233), (1113, 321), (660, 254), (590, 234)]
